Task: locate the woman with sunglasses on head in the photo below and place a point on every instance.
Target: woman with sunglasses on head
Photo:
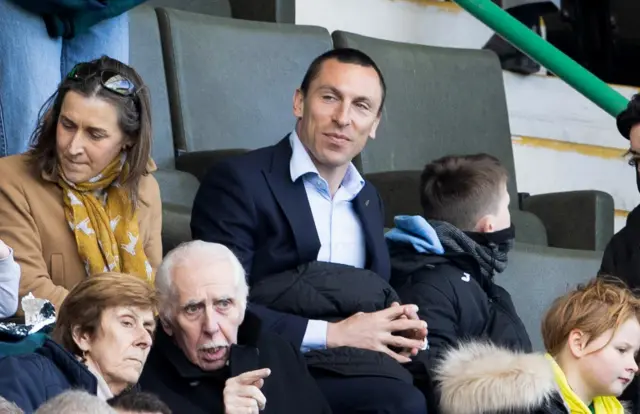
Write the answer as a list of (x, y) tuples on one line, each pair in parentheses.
[(82, 200)]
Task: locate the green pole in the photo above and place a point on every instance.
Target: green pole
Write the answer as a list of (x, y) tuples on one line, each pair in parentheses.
[(546, 54)]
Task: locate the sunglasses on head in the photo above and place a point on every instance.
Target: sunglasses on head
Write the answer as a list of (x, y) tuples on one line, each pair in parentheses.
[(109, 79)]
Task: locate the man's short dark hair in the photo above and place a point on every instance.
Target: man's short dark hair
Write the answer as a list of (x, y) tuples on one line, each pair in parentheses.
[(343, 55), (139, 402), (630, 117), (462, 189)]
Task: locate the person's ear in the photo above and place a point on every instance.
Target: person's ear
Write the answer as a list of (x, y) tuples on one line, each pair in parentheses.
[(166, 325), (374, 128), (577, 343), (127, 144), (241, 318), (298, 104), (486, 224), (82, 339)]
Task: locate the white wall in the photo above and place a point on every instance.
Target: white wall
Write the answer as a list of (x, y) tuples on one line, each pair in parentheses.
[(421, 22), (561, 140)]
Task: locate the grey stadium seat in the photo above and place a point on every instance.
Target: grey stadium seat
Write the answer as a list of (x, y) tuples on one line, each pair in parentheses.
[(536, 275), (177, 189), (231, 82)]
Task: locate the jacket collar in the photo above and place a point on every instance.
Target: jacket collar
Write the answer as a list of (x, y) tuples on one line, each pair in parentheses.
[(243, 356), (103, 390), (76, 373), (405, 261), (292, 198), (301, 165), (525, 382), (367, 206)]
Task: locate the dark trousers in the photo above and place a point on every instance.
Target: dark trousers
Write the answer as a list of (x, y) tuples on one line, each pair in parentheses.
[(370, 395)]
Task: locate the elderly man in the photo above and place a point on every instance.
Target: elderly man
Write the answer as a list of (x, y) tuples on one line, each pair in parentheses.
[(209, 355)]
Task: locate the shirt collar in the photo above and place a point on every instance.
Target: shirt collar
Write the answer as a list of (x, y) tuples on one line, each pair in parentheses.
[(301, 165), (104, 392)]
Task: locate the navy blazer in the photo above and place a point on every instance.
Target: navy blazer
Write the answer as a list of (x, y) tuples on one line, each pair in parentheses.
[(250, 204)]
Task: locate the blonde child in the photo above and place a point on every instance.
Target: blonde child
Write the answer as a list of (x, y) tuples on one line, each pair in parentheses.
[(592, 339)]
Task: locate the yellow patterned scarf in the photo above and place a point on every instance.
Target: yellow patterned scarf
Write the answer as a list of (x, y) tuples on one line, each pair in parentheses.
[(602, 405), (106, 230)]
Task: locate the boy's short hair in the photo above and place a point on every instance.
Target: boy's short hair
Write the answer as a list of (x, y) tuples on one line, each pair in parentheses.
[(139, 402), (594, 308), (461, 189)]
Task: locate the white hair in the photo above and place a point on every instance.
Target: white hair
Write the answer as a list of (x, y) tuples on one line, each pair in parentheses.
[(199, 251), (8, 407), (73, 402)]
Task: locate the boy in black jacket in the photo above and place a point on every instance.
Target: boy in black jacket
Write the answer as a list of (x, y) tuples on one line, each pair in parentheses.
[(445, 260)]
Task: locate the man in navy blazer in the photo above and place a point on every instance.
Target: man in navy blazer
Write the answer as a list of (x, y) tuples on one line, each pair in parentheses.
[(303, 200)]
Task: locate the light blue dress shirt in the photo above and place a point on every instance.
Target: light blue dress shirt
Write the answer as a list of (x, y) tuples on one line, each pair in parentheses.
[(337, 224)]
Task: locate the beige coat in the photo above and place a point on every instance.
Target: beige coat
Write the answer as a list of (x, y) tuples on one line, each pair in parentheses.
[(32, 222)]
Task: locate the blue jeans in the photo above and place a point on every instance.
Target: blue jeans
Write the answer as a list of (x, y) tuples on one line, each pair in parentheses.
[(32, 65)]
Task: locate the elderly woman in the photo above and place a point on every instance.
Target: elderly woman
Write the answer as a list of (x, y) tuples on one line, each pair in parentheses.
[(100, 343), (82, 201)]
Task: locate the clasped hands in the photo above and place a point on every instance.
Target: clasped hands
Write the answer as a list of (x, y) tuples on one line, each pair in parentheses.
[(396, 331)]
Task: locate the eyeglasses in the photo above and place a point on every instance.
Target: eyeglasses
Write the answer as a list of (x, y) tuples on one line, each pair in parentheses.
[(109, 79)]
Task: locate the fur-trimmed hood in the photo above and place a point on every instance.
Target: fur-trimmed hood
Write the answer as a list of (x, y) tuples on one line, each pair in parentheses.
[(480, 378)]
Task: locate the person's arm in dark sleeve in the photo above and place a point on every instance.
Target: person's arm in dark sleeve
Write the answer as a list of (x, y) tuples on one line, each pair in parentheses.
[(615, 248), (436, 306), (223, 212), (621, 259)]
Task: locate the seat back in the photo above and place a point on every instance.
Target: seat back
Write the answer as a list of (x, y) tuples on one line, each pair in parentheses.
[(279, 11), (220, 8), (177, 189), (145, 56), (177, 192), (537, 275), (440, 101), (400, 193), (231, 82)]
